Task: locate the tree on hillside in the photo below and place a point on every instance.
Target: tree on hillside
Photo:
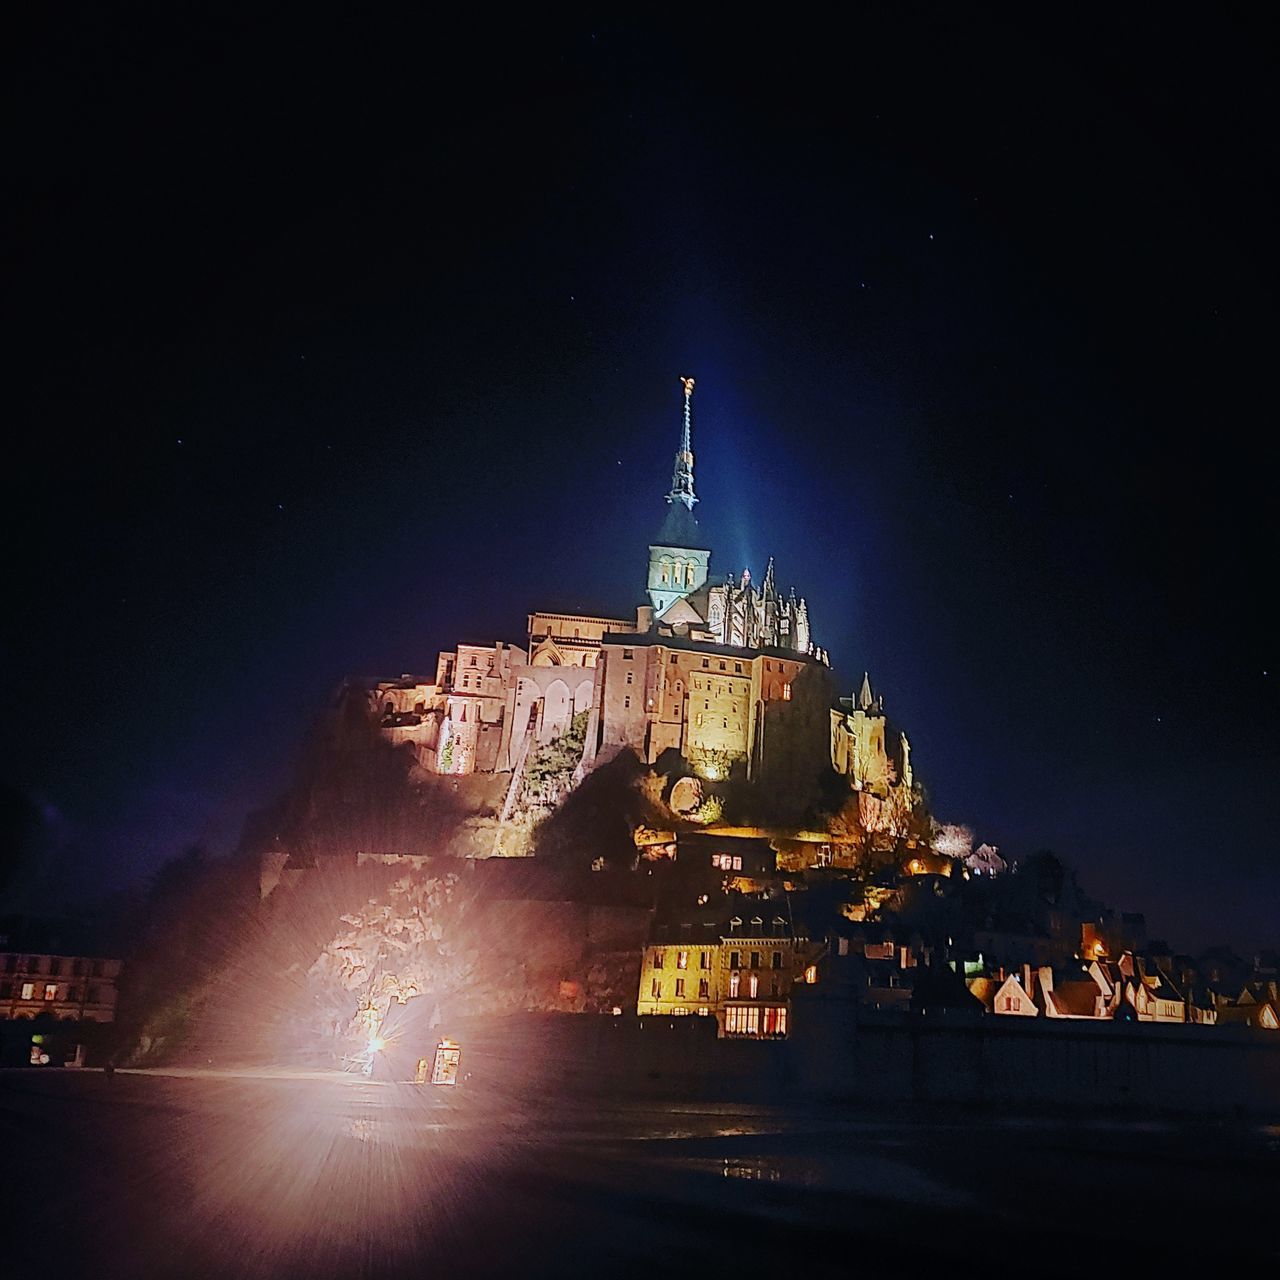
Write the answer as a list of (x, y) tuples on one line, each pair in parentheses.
[(418, 938)]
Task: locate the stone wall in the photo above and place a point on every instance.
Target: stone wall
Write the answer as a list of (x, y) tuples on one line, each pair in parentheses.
[(884, 1059)]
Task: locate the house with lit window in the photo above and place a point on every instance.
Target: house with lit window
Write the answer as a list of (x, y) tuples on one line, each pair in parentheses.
[(1010, 996), (62, 987), (738, 969), (868, 964)]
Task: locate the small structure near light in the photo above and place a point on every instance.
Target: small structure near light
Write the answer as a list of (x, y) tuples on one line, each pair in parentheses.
[(444, 1064)]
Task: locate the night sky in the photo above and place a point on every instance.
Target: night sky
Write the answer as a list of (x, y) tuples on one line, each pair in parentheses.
[(338, 342)]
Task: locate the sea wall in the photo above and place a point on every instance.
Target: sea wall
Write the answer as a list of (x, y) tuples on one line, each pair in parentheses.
[(886, 1058)]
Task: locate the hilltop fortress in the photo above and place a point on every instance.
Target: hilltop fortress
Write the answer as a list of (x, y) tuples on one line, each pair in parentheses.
[(700, 670)]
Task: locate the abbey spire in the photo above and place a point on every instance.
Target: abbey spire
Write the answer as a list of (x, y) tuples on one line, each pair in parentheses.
[(680, 557), (680, 529), (682, 475)]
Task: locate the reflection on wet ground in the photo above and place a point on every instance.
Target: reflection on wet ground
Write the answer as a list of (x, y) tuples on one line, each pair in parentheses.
[(306, 1174)]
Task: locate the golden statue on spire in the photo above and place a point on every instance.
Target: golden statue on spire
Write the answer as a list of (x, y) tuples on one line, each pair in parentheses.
[(688, 386)]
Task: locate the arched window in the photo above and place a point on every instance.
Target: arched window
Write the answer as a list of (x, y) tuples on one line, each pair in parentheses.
[(689, 573)]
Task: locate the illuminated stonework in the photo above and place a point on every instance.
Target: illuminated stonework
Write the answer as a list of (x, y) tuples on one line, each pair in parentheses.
[(738, 971)]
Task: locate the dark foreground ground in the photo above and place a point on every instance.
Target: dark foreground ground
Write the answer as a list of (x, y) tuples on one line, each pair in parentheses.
[(225, 1174)]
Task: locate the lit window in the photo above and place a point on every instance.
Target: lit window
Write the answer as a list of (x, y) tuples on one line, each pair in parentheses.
[(753, 986), (786, 693), (735, 981), (28, 990), (811, 974), (742, 1020), (659, 959), (682, 959), (704, 961), (775, 1020), (50, 990), (737, 862)]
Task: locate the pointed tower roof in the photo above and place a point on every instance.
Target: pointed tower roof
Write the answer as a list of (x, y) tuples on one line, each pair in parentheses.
[(865, 700), (680, 529)]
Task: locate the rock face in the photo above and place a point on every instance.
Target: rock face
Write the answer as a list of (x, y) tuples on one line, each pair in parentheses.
[(686, 796)]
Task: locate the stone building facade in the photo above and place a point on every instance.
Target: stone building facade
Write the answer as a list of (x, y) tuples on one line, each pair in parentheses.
[(69, 988), (875, 766), (655, 693), (740, 971), (570, 639)]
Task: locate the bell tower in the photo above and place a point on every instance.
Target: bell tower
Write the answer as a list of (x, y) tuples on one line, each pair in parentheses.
[(678, 560)]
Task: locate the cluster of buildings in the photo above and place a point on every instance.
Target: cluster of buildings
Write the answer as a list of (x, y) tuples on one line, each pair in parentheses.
[(739, 938), (697, 670), (51, 1000)]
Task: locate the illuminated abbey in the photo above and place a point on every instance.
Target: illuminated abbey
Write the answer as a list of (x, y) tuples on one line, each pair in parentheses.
[(695, 671)]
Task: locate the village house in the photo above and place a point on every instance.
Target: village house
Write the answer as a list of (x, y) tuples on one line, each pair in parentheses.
[(738, 969)]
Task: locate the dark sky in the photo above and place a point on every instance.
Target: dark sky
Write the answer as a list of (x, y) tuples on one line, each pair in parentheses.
[(339, 341)]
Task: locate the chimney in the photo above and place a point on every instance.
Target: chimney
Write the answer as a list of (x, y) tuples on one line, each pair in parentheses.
[(1026, 978)]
